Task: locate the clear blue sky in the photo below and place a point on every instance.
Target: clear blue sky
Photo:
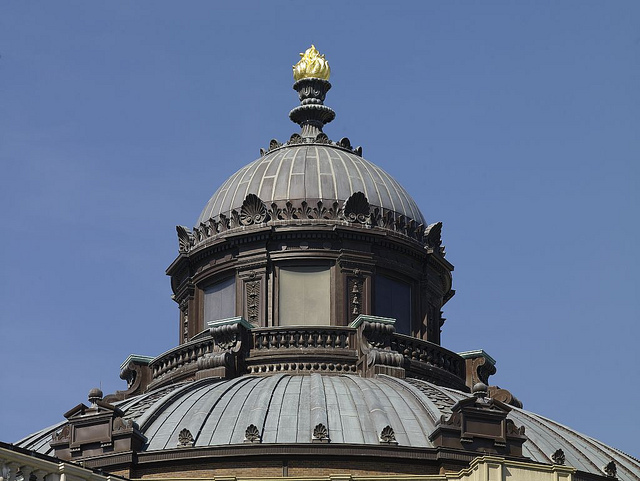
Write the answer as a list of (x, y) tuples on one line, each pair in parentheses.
[(514, 123)]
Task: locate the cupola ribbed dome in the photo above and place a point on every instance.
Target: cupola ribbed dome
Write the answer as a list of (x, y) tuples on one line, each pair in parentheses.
[(311, 172)]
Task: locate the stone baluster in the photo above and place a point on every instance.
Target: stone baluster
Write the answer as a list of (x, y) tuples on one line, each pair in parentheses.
[(40, 474), (12, 471), (26, 472)]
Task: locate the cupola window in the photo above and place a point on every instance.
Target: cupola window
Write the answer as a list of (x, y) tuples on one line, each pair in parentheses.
[(393, 299), (220, 300), (304, 295)]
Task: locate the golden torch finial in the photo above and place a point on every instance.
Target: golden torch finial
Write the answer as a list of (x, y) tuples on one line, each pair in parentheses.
[(311, 65)]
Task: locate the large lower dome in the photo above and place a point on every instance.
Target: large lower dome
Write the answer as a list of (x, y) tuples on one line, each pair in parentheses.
[(354, 411), (311, 173)]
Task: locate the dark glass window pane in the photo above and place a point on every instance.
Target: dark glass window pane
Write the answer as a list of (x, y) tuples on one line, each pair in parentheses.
[(393, 299), (220, 300)]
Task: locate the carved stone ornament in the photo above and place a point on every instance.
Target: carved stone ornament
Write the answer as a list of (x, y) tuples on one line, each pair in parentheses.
[(558, 457), (185, 239), (434, 235), (63, 435), (322, 138), (252, 434), (387, 435), (253, 211), (320, 433), (330, 213), (454, 420), (223, 224), (295, 139), (289, 212), (513, 429), (357, 209), (253, 301), (356, 286), (611, 469), (235, 219), (185, 439), (274, 144), (504, 395), (345, 143), (120, 424)]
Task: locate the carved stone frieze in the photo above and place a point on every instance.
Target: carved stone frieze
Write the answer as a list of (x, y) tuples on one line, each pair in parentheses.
[(253, 289), (321, 138), (254, 213), (355, 288)]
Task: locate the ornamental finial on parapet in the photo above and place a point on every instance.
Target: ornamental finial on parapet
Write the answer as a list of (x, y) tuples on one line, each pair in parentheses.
[(311, 65)]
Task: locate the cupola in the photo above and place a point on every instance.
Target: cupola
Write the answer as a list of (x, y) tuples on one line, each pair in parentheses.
[(311, 234)]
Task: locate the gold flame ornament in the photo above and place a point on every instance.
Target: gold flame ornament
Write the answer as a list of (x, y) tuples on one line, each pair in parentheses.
[(311, 65)]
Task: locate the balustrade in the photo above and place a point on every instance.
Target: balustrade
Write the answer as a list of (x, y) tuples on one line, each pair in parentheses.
[(180, 356), (330, 337), (429, 353)]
